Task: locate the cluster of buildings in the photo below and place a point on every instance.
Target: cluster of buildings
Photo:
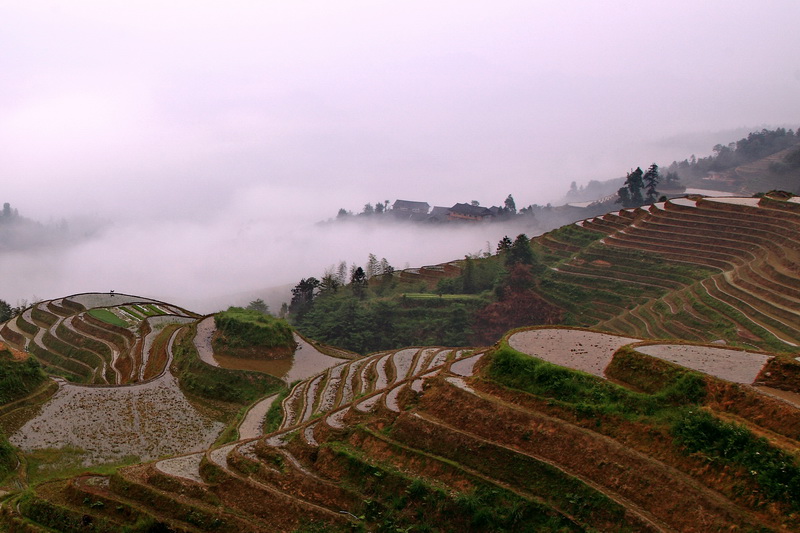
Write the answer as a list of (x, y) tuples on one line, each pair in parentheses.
[(421, 211)]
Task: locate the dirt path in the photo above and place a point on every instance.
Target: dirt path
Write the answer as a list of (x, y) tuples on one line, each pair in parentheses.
[(202, 341), (251, 426), (789, 397)]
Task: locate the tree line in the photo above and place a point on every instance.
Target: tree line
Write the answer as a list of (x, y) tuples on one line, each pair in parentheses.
[(492, 294)]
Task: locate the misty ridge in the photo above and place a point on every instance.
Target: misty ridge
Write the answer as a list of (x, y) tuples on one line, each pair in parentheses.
[(228, 259), (262, 241)]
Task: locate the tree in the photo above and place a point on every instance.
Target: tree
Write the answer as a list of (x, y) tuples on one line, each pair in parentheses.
[(343, 213), (517, 306), (573, 190), (624, 197), (303, 296), (671, 178), (520, 251), (504, 245), (632, 195), (341, 273), (329, 282), (379, 208), (258, 305), (368, 209), (372, 266), (651, 179), (385, 267), (510, 206), (468, 276), (6, 312), (358, 282)]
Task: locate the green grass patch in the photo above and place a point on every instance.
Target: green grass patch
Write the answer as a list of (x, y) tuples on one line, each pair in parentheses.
[(132, 313), (154, 311), (397, 501), (108, 317), (18, 378), (589, 394), (274, 416), (46, 464), (775, 471), (245, 328)]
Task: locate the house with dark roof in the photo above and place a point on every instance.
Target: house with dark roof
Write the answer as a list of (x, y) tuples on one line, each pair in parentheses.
[(468, 212), (409, 209), (439, 214)]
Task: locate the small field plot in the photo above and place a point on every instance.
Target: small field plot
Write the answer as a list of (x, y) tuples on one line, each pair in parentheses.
[(587, 351), (732, 365)]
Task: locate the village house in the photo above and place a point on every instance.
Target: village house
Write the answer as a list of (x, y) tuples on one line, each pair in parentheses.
[(407, 209), (468, 212)]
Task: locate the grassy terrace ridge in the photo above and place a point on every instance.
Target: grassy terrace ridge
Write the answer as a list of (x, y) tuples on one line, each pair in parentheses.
[(245, 332)]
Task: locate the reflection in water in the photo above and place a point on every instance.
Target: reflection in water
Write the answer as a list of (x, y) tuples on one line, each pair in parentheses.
[(305, 362)]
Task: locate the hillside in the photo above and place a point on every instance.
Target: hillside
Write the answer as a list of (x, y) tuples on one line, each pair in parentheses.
[(376, 444), (667, 400)]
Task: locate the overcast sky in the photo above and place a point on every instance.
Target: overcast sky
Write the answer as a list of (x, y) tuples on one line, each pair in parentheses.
[(194, 112)]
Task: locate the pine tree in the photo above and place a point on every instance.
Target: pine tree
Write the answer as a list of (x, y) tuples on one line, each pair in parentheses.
[(651, 179), (358, 282), (631, 194)]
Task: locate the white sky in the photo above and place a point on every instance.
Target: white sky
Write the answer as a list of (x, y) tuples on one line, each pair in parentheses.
[(203, 111)]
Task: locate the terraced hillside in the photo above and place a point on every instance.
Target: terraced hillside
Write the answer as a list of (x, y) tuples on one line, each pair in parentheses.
[(697, 269), (439, 439), (670, 402), (101, 339)]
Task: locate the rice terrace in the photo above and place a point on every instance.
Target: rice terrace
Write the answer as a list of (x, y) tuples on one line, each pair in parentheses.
[(633, 371)]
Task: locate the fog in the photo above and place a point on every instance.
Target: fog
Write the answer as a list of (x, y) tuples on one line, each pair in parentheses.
[(204, 140)]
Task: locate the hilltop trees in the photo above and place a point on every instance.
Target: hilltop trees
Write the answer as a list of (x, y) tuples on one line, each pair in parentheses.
[(630, 195), (520, 251), (358, 282), (6, 312), (651, 179), (258, 305), (640, 187), (303, 296), (516, 306)]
